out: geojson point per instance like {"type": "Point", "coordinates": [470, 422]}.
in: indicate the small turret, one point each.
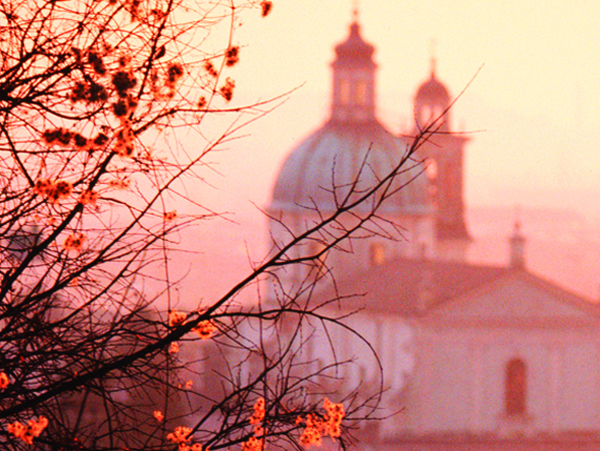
{"type": "Point", "coordinates": [517, 248]}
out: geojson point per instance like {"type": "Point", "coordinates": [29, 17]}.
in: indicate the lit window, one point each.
{"type": "Point", "coordinates": [425, 115]}
{"type": "Point", "coordinates": [516, 387]}
{"type": "Point", "coordinates": [361, 92]}
{"type": "Point", "coordinates": [377, 251]}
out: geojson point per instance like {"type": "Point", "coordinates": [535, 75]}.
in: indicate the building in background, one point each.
{"type": "Point", "coordinates": [474, 357]}
{"type": "Point", "coordinates": [444, 153]}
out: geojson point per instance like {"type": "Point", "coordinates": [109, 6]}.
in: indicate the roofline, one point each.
{"type": "Point", "coordinates": [562, 294]}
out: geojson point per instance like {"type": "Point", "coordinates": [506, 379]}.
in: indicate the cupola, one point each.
{"type": "Point", "coordinates": [353, 79]}
{"type": "Point", "coordinates": [432, 103]}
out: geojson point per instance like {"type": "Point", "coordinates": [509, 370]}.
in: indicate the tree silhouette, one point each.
{"type": "Point", "coordinates": [91, 92]}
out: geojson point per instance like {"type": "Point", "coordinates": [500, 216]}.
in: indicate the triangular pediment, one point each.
{"type": "Point", "coordinates": [518, 297]}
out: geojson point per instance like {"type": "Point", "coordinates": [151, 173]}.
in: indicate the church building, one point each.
{"type": "Point", "coordinates": [474, 357]}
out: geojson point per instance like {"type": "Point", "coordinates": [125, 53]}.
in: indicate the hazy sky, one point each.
{"type": "Point", "coordinates": [533, 106]}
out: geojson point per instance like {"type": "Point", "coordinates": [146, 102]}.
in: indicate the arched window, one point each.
{"type": "Point", "coordinates": [431, 169]}
{"type": "Point", "coordinates": [432, 177]}
{"type": "Point", "coordinates": [344, 87]}
{"type": "Point", "coordinates": [425, 115]}
{"type": "Point", "coordinates": [516, 387]}
{"type": "Point", "coordinates": [361, 92]}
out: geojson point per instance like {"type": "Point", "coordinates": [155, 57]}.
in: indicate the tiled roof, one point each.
{"type": "Point", "coordinates": [410, 286]}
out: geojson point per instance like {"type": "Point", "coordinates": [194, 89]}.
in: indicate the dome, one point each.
{"type": "Point", "coordinates": [432, 104]}
{"type": "Point", "coordinates": [333, 157]}
{"type": "Point", "coordinates": [432, 91]}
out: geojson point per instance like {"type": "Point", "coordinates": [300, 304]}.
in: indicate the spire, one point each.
{"type": "Point", "coordinates": [433, 59]}
{"type": "Point", "coordinates": [355, 11]}
{"type": "Point", "coordinates": [517, 247]}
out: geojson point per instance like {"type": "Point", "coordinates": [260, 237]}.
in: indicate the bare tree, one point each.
{"type": "Point", "coordinates": [89, 93]}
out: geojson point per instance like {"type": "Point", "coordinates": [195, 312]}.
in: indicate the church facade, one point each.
{"type": "Point", "coordinates": [474, 357]}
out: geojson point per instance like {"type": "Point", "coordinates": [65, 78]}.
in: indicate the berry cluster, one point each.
{"type": "Point", "coordinates": [54, 191]}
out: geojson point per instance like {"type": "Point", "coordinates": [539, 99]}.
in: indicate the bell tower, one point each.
{"type": "Point", "coordinates": [444, 152]}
